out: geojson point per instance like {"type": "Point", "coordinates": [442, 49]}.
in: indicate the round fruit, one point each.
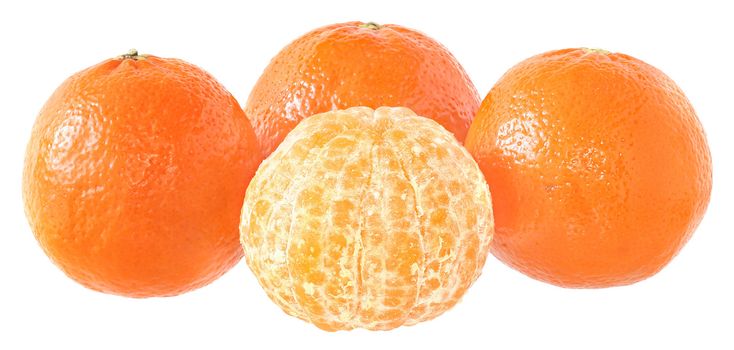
{"type": "Point", "coordinates": [358, 64]}
{"type": "Point", "coordinates": [598, 165]}
{"type": "Point", "coordinates": [366, 218]}
{"type": "Point", "coordinates": [135, 175]}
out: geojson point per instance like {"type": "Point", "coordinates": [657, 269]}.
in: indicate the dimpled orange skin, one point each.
{"type": "Point", "coordinates": [598, 165]}
{"type": "Point", "coordinates": [135, 174]}
{"type": "Point", "coordinates": [357, 64]}
{"type": "Point", "coordinates": [370, 219]}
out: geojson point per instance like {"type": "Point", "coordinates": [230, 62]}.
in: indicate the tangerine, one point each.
{"type": "Point", "coordinates": [367, 218]}
{"type": "Point", "coordinates": [598, 165]}
{"type": "Point", "coordinates": [360, 64]}
{"type": "Point", "coordinates": [135, 174]}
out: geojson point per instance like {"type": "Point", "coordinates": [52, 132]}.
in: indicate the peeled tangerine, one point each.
{"type": "Point", "coordinates": [367, 218]}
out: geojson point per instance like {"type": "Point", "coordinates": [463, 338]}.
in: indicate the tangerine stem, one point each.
{"type": "Point", "coordinates": [370, 25]}
{"type": "Point", "coordinates": [132, 54]}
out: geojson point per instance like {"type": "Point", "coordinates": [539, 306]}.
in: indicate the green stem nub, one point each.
{"type": "Point", "coordinates": [370, 25]}
{"type": "Point", "coordinates": [133, 55]}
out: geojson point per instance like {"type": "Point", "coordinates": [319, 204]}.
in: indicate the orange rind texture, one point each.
{"type": "Point", "coordinates": [598, 165]}
{"type": "Point", "coordinates": [360, 64]}
{"type": "Point", "coordinates": [135, 174]}
{"type": "Point", "coordinates": [367, 218]}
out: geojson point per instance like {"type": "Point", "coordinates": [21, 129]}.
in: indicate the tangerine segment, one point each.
{"type": "Point", "coordinates": [367, 218]}
{"type": "Point", "coordinates": [598, 164]}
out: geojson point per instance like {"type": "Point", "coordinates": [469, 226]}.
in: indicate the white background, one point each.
{"type": "Point", "coordinates": [689, 304]}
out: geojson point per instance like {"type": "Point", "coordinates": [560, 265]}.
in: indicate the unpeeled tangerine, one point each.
{"type": "Point", "coordinates": [367, 218]}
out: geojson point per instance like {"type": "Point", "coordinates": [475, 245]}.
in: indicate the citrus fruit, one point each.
{"type": "Point", "coordinates": [367, 218]}
{"type": "Point", "coordinates": [135, 174]}
{"type": "Point", "coordinates": [360, 64]}
{"type": "Point", "coordinates": [598, 165]}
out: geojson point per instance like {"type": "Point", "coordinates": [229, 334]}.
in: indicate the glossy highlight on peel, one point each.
{"type": "Point", "coordinates": [367, 218]}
